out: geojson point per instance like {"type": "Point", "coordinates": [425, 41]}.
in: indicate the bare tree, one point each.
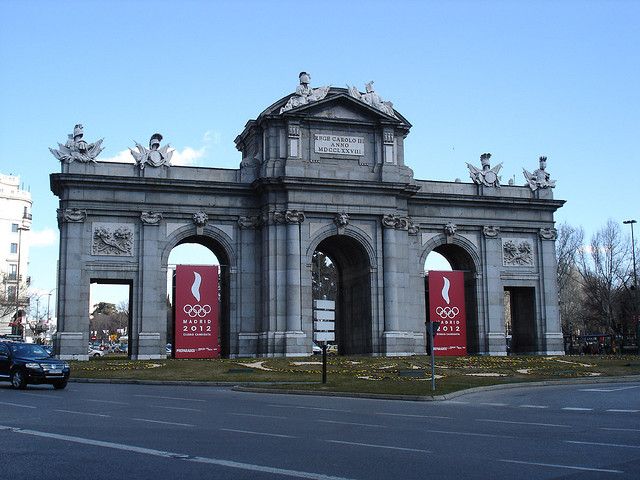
{"type": "Point", "coordinates": [604, 266]}
{"type": "Point", "coordinates": [569, 246]}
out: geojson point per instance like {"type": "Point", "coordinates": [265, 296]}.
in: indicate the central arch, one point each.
{"type": "Point", "coordinates": [219, 247]}
{"type": "Point", "coordinates": [461, 256]}
{"type": "Point", "coordinates": [352, 293]}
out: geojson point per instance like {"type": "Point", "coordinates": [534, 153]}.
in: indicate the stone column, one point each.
{"type": "Point", "coordinates": [295, 344]}
{"type": "Point", "coordinates": [150, 292]}
{"type": "Point", "coordinates": [72, 337]}
{"type": "Point", "coordinates": [493, 292]}
{"type": "Point", "coordinates": [390, 265]}
{"type": "Point", "coordinates": [553, 339]}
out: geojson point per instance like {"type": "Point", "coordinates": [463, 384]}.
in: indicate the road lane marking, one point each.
{"type": "Point", "coordinates": [490, 404]}
{"type": "Point", "coordinates": [412, 416]}
{"type": "Point", "coordinates": [523, 423]}
{"type": "Point", "coordinates": [175, 455]}
{"type": "Point", "coordinates": [577, 409]}
{"type": "Point", "coordinates": [622, 410]}
{"type": "Point", "coordinates": [352, 423]}
{"type": "Point", "coordinates": [84, 413]}
{"type": "Point", "coordinates": [112, 402]}
{"type": "Point", "coordinates": [163, 423]}
{"type": "Point", "coordinates": [17, 405]}
{"type": "Point", "coordinates": [553, 465]}
{"type": "Point", "coordinates": [259, 416]}
{"type": "Point", "coordinates": [249, 432]}
{"type": "Point", "coordinates": [600, 444]}
{"type": "Point", "coordinates": [533, 406]}
{"type": "Point", "coordinates": [309, 408]}
{"type": "Point", "coordinates": [172, 398]}
{"type": "Point", "coordinates": [470, 434]}
{"type": "Point", "coordinates": [607, 390]}
{"type": "Point", "coordinates": [621, 429]}
{"type": "Point", "coordinates": [175, 408]}
{"type": "Point", "coordinates": [389, 447]}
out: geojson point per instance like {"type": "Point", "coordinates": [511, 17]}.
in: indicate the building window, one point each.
{"type": "Point", "coordinates": [11, 293]}
{"type": "Point", "coordinates": [14, 227]}
{"type": "Point", "coordinates": [14, 248]}
{"type": "Point", "coordinates": [13, 271]}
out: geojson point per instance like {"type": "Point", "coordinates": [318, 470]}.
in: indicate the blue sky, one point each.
{"type": "Point", "coordinates": [517, 79]}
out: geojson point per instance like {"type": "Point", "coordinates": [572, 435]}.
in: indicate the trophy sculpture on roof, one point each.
{"type": "Point", "coordinates": [77, 149]}
{"type": "Point", "coordinates": [154, 155]}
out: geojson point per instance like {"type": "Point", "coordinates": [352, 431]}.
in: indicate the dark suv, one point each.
{"type": "Point", "coordinates": [23, 363]}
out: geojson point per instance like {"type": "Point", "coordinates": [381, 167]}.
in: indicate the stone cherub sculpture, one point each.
{"type": "Point", "coordinates": [539, 178]}
{"type": "Point", "coordinates": [304, 93]}
{"type": "Point", "coordinates": [77, 149]}
{"type": "Point", "coordinates": [371, 98]}
{"type": "Point", "coordinates": [154, 155]}
{"type": "Point", "coordinates": [487, 176]}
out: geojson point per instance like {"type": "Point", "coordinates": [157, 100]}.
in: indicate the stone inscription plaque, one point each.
{"type": "Point", "coordinates": [338, 144]}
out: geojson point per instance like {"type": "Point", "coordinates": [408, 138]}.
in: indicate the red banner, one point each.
{"type": "Point", "coordinates": [446, 305]}
{"type": "Point", "coordinates": [196, 317]}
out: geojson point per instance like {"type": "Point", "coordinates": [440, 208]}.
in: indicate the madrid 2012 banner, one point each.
{"type": "Point", "coordinates": [196, 313]}
{"type": "Point", "coordinates": [446, 305]}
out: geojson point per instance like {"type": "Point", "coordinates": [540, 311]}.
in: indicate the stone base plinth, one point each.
{"type": "Point", "coordinates": [397, 344]}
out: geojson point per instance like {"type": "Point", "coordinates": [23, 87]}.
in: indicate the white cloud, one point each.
{"type": "Point", "coordinates": [121, 157]}
{"type": "Point", "coordinates": [43, 238]}
{"type": "Point", "coordinates": [188, 156]}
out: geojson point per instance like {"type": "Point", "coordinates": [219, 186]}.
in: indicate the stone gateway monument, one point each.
{"type": "Point", "coordinates": [323, 170]}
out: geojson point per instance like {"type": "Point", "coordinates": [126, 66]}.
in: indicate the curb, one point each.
{"type": "Point", "coordinates": [250, 387]}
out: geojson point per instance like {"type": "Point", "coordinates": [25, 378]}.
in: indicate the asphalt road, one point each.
{"type": "Point", "coordinates": [104, 431]}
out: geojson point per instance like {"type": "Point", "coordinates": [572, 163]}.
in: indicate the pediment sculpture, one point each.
{"type": "Point", "coordinates": [305, 94]}
{"type": "Point", "coordinates": [77, 149]}
{"type": "Point", "coordinates": [155, 155]}
{"type": "Point", "coordinates": [371, 98]}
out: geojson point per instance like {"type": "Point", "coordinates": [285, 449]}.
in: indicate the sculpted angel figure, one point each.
{"type": "Point", "coordinates": [154, 155]}
{"type": "Point", "coordinates": [539, 178]}
{"type": "Point", "coordinates": [487, 176]}
{"type": "Point", "coordinates": [77, 149]}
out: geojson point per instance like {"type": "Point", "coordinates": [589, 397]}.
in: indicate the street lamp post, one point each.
{"type": "Point", "coordinates": [48, 304]}
{"type": "Point", "coordinates": [635, 283]}
{"type": "Point", "coordinates": [21, 228]}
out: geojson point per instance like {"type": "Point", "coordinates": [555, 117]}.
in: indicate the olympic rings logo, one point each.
{"type": "Point", "coordinates": [447, 312]}
{"type": "Point", "coordinates": [197, 310]}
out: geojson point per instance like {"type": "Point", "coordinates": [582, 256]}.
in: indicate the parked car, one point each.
{"type": "Point", "coordinates": [317, 349]}
{"type": "Point", "coordinates": [24, 363]}
{"type": "Point", "coordinates": [94, 352]}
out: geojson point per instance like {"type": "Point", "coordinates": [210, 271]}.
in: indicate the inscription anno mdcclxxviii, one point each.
{"type": "Point", "coordinates": [339, 144]}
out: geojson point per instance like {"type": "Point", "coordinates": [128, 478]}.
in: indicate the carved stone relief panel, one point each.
{"type": "Point", "coordinates": [517, 252]}
{"type": "Point", "coordinates": [112, 239]}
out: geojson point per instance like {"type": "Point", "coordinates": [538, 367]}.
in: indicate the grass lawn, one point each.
{"type": "Point", "coordinates": [382, 375]}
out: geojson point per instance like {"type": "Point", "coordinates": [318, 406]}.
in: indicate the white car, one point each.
{"type": "Point", "coordinates": [94, 352]}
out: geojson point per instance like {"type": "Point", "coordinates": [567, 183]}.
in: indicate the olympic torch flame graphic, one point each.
{"type": "Point", "coordinates": [195, 288]}
{"type": "Point", "coordinates": [445, 290]}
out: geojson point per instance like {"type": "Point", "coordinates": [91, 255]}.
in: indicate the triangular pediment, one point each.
{"type": "Point", "coordinates": [337, 105]}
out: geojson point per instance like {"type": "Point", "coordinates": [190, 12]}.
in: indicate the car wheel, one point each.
{"type": "Point", "coordinates": [96, 355]}
{"type": "Point", "coordinates": [18, 379]}
{"type": "Point", "coordinates": [60, 385]}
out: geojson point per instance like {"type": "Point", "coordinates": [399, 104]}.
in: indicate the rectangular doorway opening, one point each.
{"type": "Point", "coordinates": [520, 319]}
{"type": "Point", "coordinates": [110, 318]}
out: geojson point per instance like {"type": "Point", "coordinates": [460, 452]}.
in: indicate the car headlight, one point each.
{"type": "Point", "coordinates": [34, 366]}
{"type": "Point", "coordinates": [65, 366]}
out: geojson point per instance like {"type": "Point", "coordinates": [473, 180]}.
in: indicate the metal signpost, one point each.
{"type": "Point", "coordinates": [433, 328]}
{"type": "Point", "coordinates": [324, 315]}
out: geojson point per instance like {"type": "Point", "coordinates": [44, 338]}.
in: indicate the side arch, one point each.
{"type": "Point", "coordinates": [441, 240]}
{"type": "Point", "coordinates": [350, 231]}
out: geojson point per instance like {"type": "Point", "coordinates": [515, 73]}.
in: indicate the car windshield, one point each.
{"type": "Point", "coordinates": [28, 350]}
